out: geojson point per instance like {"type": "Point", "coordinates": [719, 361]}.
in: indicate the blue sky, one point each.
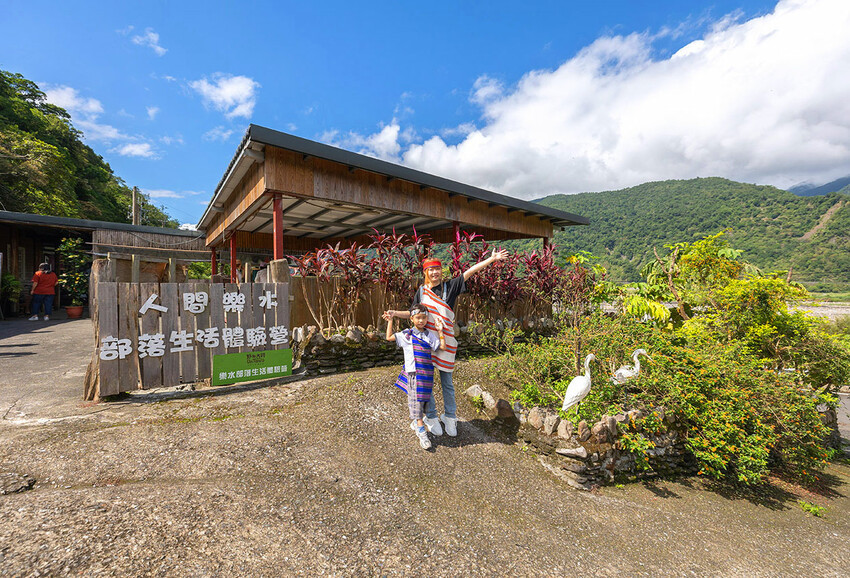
{"type": "Point", "coordinates": [526, 100]}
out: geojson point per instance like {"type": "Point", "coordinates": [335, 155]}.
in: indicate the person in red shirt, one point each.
{"type": "Point", "coordinates": [43, 291]}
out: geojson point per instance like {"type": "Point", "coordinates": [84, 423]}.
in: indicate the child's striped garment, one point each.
{"type": "Point", "coordinates": [424, 382]}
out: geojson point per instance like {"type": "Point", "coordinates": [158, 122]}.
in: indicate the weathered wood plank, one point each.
{"type": "Point", "coordinates": [128, 328]}
{"type": "Point", "coordinates": [170, 325]}
{"type": "Point", "coordinates": [246, 317]}
{"type": "Point", "coordinates": [282, 311]}
{"type": "Point", "coordinates": [257, 291]}
{"type": "Point", "coordinates": [151, 365]}
{"type": "Point", "coordinates": [188, 358]}
{"type": "Point", "coordinates": [107, 320]}
{"type": "Point", "coordinates": [202, 322]}
{"type": "Point", "coordinates": [231, 317]}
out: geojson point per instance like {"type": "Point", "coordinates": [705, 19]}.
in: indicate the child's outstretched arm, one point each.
{"type": "Point", "coordinates": [389, 318]}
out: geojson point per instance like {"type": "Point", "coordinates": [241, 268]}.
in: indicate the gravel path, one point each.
{"type": "Point", "coordinates": [323, 477]}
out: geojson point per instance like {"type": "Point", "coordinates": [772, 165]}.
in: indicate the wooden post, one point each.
{"type": "Point", "coordinates": [278, 228]}
{"type": "Point", "coordinates": [172, 270]}
{"type": "Point", "coordinates": [213, 261]}
{"type": "Point", "coordinates": [233, 258]}
{"type": "Point", "coordinates": [456, 229]}
{"type": "Point", "coordinates": [545, 242]}
{"type": "Point", "coordinates": [135, 268]}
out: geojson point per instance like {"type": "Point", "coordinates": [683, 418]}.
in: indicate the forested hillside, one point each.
{"type": "Point", "coordinates": [45, 168]}
{"type": "Point", "coordinates": [776, 229]}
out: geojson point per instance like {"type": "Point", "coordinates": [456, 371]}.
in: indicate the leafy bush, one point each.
{"type": "Point", "coordinates": [740, 419]}
{"type": "Point", "coordinates": [74, 261]}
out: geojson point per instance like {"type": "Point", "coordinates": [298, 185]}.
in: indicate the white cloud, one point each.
{"type": "Point", "coordinates": [765, 100]}
{"type": "Point", "coordinates": [170, 140]}
{"type": "Point", "coordinates": [218, 133]}
{"type": "Point", "coordinates": [84, 113]}
{"type": "Point", "coordinates": [162, 194]}
{"type": "Point", "coordinates": [70, 99]}
{"type": "Point", "coordinates": [384, 144]}
{"type": "Point", "coordinates": [232, 95]}
{"type": "Point", "coordinates": [141, 149]}
{"type": "Point", "coordinates": [152, 112]}
{"type": "Point", "coordinates": [151, 40]}
{"type": "Point", "coordinates": [187, 227]}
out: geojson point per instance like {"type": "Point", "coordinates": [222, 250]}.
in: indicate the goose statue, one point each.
{"type": "Point", "coordinates": [628, 372]}
{"type": "Point", "coordinates": [579, 387]}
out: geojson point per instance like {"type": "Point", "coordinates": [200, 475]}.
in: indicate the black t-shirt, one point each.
{"type": "Point", "coordinates": [447, 291]}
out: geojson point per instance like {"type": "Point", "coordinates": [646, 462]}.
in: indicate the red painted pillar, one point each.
{"type": "Point", "coordinates": [278, 228]}
{"type": "Point", "coordinates": [233, 258]}
{"type": "Point", "coordinates": [213, 261]}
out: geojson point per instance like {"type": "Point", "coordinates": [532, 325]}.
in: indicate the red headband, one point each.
{"type": "Point", "coordinates": [428, 263]}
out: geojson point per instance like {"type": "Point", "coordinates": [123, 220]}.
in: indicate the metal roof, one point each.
{"type": "Point", "coordinates": [344, 224]}
{"type": "Point", "coordinates": [88, 225]}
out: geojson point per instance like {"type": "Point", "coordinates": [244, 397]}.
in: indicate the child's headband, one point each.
{"type": "Point", "coordinates": [428, 263]}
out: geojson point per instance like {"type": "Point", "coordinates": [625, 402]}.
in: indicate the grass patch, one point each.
{"type": "Point", "coordinates": [816, 511]}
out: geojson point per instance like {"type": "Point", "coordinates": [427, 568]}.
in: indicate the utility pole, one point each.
{"type": "Point", "coordinates": [135, 206]}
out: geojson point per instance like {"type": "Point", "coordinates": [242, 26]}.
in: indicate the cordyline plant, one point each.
{"type": "Point", "coordinates": [342, 275]}
{"type": "Point", "coordinates": [396, 267]}
{"type": "Point", "coordinates": [494, 290]}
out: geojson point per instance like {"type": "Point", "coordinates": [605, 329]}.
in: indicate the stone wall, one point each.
{"type": "Point", "coordinates": [586, 455]}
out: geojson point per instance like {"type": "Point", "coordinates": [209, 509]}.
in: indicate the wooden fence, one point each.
{"type": "Point", "coordinates": [163, 334]}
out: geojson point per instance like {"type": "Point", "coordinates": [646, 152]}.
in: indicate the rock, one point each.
{"type": "Point", "coordinates": [635, 414]}
{"type": "Point", "coordinates": [337, 338]}
{"type": "Point", "coordinates": [504, 409]}
{"type": "Point", "coordinates": [600, 432]}
{"type": "Point", "coordinates": [659, 411]}
{"type": "Point", "coordinates": [583, 431]}
{"type": "Point", "coordinates": [297, 335]}
{"type": "Point", "coordinates": [536, 417]}
{"type": "Point", "coordinates": [574, 466]}
{"type": "Point", "coordinates": [550, 423]}
{"type": "Point", "coordinates": [316, 339]}
{"type": "Point", "coordinates": [611, 424]}
{"type": "Point", "coordinates": [489, 400]}
{"type": "Point", "coordinates": [474, 391]}
{"type": "Point", "coordinates": [578, 452]}
{"type": "Point", "coordinates": [11, 483]}
{"type": "Point", "coordinates": [354, 335]}
{"type": "Point", "coordinates": [621, 418]}
{"type": "Point", "coordinates": [565, 429]}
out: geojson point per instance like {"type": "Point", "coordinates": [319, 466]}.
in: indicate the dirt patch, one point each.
{"type": "Point", "coordinates": [324, 476]}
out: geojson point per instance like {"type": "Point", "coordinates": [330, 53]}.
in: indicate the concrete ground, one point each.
{"type": "Point", "coordinates": [322, 477]}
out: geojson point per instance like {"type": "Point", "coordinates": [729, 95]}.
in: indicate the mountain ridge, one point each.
{"type": "Point", "coordinates": [776, 229]}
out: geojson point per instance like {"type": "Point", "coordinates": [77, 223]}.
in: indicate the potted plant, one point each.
{"type": "Point", "coordinates": [73, 278]}
{"type": "Point", "coordinates": [10, 292]}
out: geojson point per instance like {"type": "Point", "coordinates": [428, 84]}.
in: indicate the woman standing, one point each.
{"type": "Point", "coordinates": [43, 291]}
{"type": "Point", "coordinates": [439, 298]}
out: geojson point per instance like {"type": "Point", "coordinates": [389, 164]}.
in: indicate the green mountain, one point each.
{"type": "Point", "coordinates": [777, 230]}
{"type": "Point", "coordinates": [46, 169]}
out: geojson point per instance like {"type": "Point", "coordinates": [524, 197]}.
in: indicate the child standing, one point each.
{"type": "Point", "coordinates": [417, 376]}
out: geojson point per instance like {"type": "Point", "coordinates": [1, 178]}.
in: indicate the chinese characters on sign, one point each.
{"type": "Point", "coordinates": [158, 344]}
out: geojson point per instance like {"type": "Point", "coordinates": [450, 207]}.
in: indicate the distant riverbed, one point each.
{"type": "Point", "coordinates": [832, 310]}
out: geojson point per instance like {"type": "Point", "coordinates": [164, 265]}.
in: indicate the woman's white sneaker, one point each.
{"type": "Point", "coordinates": [432, 424]}
{"type": "Point", "coordinates": [450, 423]}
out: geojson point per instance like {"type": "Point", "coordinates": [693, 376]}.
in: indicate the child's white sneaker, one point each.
{"type": "Point", "coordinates": [422, 434]}
{"type": "Point", "coordinates": [432, 424]}
{"type": "Point", "coordinates": [47, 317]}
{"type": "Point", "coordinates": [34, 318]}
{"type": "Point", "coordinates": [450, 423]}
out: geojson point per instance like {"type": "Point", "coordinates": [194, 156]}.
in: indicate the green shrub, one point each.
{"type": "Point", "coordinates": [740, 419]}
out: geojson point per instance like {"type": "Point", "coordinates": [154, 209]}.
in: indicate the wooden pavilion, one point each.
{"type": "Point", "coordinates": [289, 195]}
